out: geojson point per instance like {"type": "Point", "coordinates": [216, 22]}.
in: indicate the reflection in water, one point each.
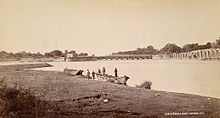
{"type": "Point", "coordinates": [184, 76]}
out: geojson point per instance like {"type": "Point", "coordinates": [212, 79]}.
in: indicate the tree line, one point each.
{"type": "Point", "coordinates": [23, 54]}
{"type": "Point", "coordinates": [167, 49]}
{"type": "Point", "coordinates": [171, 48]}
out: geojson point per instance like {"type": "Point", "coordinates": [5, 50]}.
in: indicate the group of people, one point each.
{"type": "Point", "coordinates": [99, 72]}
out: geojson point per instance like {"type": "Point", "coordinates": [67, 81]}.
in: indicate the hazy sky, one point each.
{"type": "Point", "coordinates": [105, 26]}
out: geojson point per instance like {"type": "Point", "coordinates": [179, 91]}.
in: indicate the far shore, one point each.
{"type": "Point", "coordinates": [76, 96]}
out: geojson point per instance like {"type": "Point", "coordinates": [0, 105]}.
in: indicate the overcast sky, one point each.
{"type": "Point", "coordinates": [104, 26]}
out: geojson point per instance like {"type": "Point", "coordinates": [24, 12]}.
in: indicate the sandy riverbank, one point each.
{"type": "Point", "coordinates": [63, 95]}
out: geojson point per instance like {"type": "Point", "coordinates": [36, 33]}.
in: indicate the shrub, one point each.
{"type": "Point", "coordinates": [146, 85]}
{"type": "Point", "coordinates": [14, 100]}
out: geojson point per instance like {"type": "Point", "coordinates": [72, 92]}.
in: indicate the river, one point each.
{"type": "Point", "coordinates": [182, 76]}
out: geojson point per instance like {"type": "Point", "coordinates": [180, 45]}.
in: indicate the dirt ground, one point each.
{"type": "Point", "coordinates": [76, 96]}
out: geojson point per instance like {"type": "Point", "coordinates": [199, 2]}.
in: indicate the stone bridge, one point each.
{"type": "Point", "coordinates": [199, 54]}
{"type": "Point", "coordinates": [124, 57]}
{"type": "Point", "coordinates": [111, 57]}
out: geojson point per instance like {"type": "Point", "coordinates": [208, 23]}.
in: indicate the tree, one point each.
{"type": "Point", "coordinates": [217, 42]}
{"type": "Point", "coordinates": [208, 45]}
{"type": "Point", "coordinates": [47, 55]}
{"type": "Point", "coordinates": [190, 47]}
{"type": "Point", "coordinates": [150, 47]}
{"type": "Point", "coordinates": [37, 55]}
{"type": "Point", "coordinates": [72, 52]}
{"type": "Point", "coordinates": [56, 53]}
{"type": "Point", "coordinates": [4, 54]}
{"type": "Point", "coordinates": [83, 54]}
{"type": "Point", "coordinates": [169, 49]}
{"type": "Point", "coordinates": [149, 50]}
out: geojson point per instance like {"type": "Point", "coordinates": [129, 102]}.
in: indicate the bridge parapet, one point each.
{"type": "Point", "coordinates": [111, 57]}
{"type": "Point", "coordinates": [124, 57]}
{"type": "Point", "coordinates": [212, 53]}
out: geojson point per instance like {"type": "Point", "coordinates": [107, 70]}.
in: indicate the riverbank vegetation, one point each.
{"type": "Point", "coordinates": [171, 48]}
{"type": "Point", "coordinates": [55, 54]}
{"type": "Point", "coordinates": [28, 56]}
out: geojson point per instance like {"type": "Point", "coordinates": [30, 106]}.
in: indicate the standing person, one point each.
{"type": "Point", "coordinates": [103, 70]}
{"type": "Point", "coordinates": [99, 71]}
{"type": "Point", "coordinates": [116, 72]}
{"type": "Point", "coordinates": [93, 75]}
{"type": "Point", "coordinates": [88, 74]}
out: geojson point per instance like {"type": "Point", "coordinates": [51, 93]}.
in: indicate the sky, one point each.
{"type": "Point", "coordinates": [101, 27]}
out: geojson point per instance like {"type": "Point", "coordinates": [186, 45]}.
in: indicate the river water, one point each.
{"type": "Point", "coordinates": [182, 76]}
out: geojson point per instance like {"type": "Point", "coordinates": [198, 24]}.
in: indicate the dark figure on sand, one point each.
{"type": "Point", "coordinates": [103, 70]}
{"type": "Point", "coordinates": [99, 71]}
{"type": "Point", "coordinates": [116, 72]}
{"type": "Point", "coordinates": [88, 74]}
{"type": "Point", "coordinates": [93, 75]}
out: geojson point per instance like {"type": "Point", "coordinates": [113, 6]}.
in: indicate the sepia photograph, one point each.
{"type": "Point", "coordinates": [109, 58]}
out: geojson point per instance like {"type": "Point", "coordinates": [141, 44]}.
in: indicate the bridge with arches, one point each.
{"type": "Point", "coordinates": [110, 57]}
{"type": "Point", "coordinates": [212, 53]}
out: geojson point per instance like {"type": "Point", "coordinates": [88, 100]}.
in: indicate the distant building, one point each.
{"type": "Point", "coordinates": [166, 56]}
{"type": "Point", "coordinates": [161, 56]}
{"type": "Point", "coordinates": [157, 57]}
{"type": "Point", "coordinates": [70, 54]}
